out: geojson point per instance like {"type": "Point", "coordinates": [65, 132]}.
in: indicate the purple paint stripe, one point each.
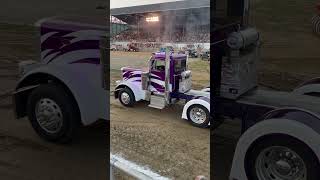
{"type": "Point", "coordinates": [126, 73]}
{"type": "Point", "coordinates": [160, 74]}
{"type": "Point", "coordinates": [87, 61]}
{"type": "Point", "coordinates": [131, 76]}
{"type": "Point", "coordinates": [158, 87]}
{"type": "Point", "coordinates": [81, 45]}
{"type": "Point", "coordinates": [60, 33]}
{"type": "Point", "coordinates": [130, 73]}
{"type": "Point", "coordinates": [155, 77]}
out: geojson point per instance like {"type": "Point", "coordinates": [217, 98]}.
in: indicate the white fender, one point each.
{"type": "Point", "coordinates": [139, 94]}
{"type": "Point", "coordinates": [309, 88]}
{"type": "Point", "coordinates": [284, 126]}
{"type": "Point", "coordinates": [206, 90]}
{"type": "Point", "coordinates": [192, 102]}
{"type": "Point", "coordinates": [84, 81]}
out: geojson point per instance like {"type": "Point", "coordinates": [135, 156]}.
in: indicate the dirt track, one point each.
{"type": "Point", "coordinates": [159, 139]}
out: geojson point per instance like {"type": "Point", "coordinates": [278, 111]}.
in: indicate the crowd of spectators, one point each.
{"type": "Point", "coordinates": [130, 35]}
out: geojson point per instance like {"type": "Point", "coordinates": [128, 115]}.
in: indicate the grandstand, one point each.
{"type": "Point", "coordinates": [171, 22]}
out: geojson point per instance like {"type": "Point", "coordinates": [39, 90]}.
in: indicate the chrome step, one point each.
{"type": "Point", "coordinates": [157, 101]}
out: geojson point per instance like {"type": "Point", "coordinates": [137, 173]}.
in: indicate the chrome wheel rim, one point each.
{"type": "Point", "coordinates": [198, 115]}
{"type": "Point", "coordinates": [280, 163]}
{"type": "Point", "coordinates": [49, 115]}
{"type": "Point", "coordinates": [125, 98]}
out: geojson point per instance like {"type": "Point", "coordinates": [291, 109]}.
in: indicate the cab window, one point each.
{"type": "Point", "coordinates": [179, 65]}
{"type": "Point", "coordinates": [159, 65]}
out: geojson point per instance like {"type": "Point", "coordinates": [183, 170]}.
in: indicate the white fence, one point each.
{"type": "Point", "coordinates": [131, 169]}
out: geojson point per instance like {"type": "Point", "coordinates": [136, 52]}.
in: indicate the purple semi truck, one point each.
{"type": "Point", "coordinates": [166, 81]}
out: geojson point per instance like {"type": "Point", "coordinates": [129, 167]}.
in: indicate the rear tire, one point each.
{"type": "Point", "coordinates": [126, 97]}
{"type": "Point", "coordinates": [287, 153]}
{"type": "Point", "coordinates": [198, 115]}
{"type": "Point", "coordinates": [52, 113]}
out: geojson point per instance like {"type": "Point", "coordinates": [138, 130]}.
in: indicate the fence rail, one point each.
{"type": "Point", "coordinates": [131, 169]}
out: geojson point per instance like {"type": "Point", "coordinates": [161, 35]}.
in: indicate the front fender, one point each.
{"type": "Point", "coordinates": [136, 88]}
{"type": "Point", "coordinates": [84, 82]}
{"type": "Point", "coordinates": [299, 130]}
{"type": "Point", "coordinates": [202, 102]}
{"type": "Point", "coordinates": [309, 87]}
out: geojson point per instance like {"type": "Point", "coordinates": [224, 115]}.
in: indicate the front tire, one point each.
{"type": "Point", "coordinates": [281, 157]}
{"type": "Point", "coordinates": [126, 97]}
{"type": "Point", "coordinates": [52, 113]}
{"type": "Point", "coordinates": [198, 115]}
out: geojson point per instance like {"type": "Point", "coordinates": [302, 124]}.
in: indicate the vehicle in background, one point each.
{"type": "Point", "coordinates": [165, 48]}
{"type": "Point", "coordinates": [192, 53]}
{"type": "Point", "coordinates": [132, 47]}
{"type": "Point", "coordinates": [166, 81]}
{"type": "Point", "coordinates": [67, 87]}
{"type": "Point", "coordinates": [205, 55]}
{"type": "Point", "coordinates": [117, 47]}
{"type": "Point", "coordinates": [114, 47]}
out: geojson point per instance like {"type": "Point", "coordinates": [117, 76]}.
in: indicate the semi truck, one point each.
{"type": "Point", "coordinates": [56, 91]}
{"type": "Point", "coordinates": [280, 131]}
{"type": "Point", "coordinates": [164, 82]}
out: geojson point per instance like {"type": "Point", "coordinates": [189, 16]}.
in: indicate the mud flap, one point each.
{"type": "Point", "coordinates": [116, 92]}
{"type": "Point", "coordinates": [19, 99]}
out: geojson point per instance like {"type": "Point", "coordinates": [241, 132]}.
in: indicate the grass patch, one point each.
{"type": "Point", "coordinates": [200, 73]}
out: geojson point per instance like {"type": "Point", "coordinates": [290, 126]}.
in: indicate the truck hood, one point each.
{"type": "Point", "coordinates": [132, 74]}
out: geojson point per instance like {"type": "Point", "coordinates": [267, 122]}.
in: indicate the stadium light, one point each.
{"type": "Point", "coordinates": [152, 19]}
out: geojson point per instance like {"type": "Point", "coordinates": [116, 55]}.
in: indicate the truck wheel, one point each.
{"type": "Point", "coordinates": [282, 157]}
{"type": "Point", "coordinates": [126, 97]}
{"type": "Point", "coordinates": [198, 115]}
{"type": "Point", "coordinates": [52, 113]}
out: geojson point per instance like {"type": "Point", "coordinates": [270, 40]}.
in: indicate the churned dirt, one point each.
{"type": "Point", "coordinates": [158, 139]}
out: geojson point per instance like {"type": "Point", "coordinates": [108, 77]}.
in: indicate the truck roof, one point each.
{"type": "Point", "coordinates": [173, 56]}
